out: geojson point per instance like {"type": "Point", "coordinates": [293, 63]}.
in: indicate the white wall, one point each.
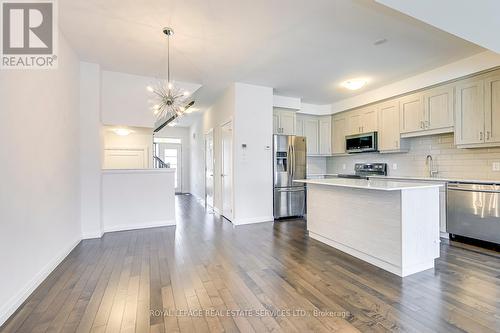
{"type": "Point", "coordinates": [91, 149]}
{"type": "Point", "coordinates": [183, 134]}
{"type": "Point", "coordinates": [463, 67]}
{"type": "Point", "coordinates": [219, 113]}
{"type": "Point", "coordinates": [39, 185]}
{"type": "Point", "coordinates": [125, 100]}
{"type": "Point", "coordinates": [250, 108]}
{"type": "Point", "coordinates": [136, 199]}
{"type": "Point", "coordinates": [475, 21]}
{"type": "Point", "coordinates": [253, 177]}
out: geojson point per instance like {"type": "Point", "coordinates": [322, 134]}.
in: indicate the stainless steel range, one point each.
{"type": "Point", "coordinates": [364, 170]}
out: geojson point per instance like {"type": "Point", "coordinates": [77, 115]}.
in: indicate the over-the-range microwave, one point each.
{"type": "Point", "coordinates": [361, 143]}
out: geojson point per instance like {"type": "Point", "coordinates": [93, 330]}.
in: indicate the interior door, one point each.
{"type": "Point", "coordinates": [227, 170]}
{"type": "Point", "coordinates": [492, 109]}
{"type": "Point", "coordinates": [172, 154]}
{"type": "Point", "coordinates": [469, 112]}
{"type": "Point", "coordinates": [124, 158]}
{"type": "Point", "coordinates": [209, 169]}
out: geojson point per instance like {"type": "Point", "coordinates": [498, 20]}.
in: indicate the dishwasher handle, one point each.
{"type": "Point", "coordinates": [486, 188]}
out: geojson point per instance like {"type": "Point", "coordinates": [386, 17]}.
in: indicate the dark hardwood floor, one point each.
{"type": "Point", "coordinates": [204, 267]}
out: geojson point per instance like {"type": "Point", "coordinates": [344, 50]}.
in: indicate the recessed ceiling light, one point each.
{"type": "Point", "coordinates": [354, 84]}
{"type": "Point", "coordinates": [122, 131]}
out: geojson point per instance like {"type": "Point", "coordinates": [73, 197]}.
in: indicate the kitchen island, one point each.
{"type": "Point", "coordinates": [391, 224]}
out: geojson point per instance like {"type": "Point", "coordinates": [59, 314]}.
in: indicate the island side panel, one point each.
{"type": "Point", "coordinates": [420, 229]}
{"type": "Point", "coordinates": [362, 222]}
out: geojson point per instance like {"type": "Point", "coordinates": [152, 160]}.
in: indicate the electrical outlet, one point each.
{"type": "Point", "coordinates": [496, 166]}
{"type": "Point", "coordinates": [343, 166]}
{"type": "Point", "coordinates": [394, 166]}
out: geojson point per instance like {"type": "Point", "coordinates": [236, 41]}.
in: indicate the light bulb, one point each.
{"type": "Point", "coordinates": [170, 85]}
{"type": "Point", "coordinates": [186, 93]}
{"type": "Point", "coordinates": [150, 89]}
{"type": "Point", "coordinates": [354, 84]}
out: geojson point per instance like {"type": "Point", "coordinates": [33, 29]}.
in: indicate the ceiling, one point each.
{"type": "Point", "coordinates": [301, 48]}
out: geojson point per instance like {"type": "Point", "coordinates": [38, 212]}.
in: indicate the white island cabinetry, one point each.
{"type": "Point", "coordinates": [392, 225]}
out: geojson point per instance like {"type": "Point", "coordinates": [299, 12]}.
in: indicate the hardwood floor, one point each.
{"type": "Point", "coordinates": [204, 267]}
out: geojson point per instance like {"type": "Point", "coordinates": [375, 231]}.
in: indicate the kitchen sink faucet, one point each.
{"type": "Point", "coordinates": [430, 163]}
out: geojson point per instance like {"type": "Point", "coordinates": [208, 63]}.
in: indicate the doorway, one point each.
{"type": "Point", "coordinates": [209, 169]}
{"type": "Point", "coordinates": [227, 170]}
{"type": "Point", "coordinates": [172, 154]}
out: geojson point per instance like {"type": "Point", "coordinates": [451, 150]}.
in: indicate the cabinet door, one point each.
{"type": "Point", "coordinates": [492, 109]}
{"type": "Point", "coordinates": [311, 130]}
{"type": "Point", "coordinates": [276, 123]}
{"type": "Point", "coordinates": [411, 114]}
{"type": "Point", "coordinates": [339, 133]}
{"type": "Point", "coordinates": [469, 104]}
{"type": "Point", "coordinates": [287, 122]}
{"type": "Point", "coordinates": [299, 126]}
{"type": "Point", "coordinates": [369, 120]}
{"type": "Point", "coordinates": [389, 133]}
{"type": "Point", "coordinates": [438, 108]}
{"type": "Point", "coordinates": [325, 135]}
{"type": "Point", "coordinates": [354, 122]}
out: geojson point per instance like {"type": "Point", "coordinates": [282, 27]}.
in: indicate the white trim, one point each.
{"type": "Point", "coordinates": [143, 225]}
{"type": "Point", "coordinates": [261, 219]}
{"type": "Point", "coordinates": [91, 235]}
{"type": "Point", "coordinates": [444, 235]}
{"type": "Point", "coordinates": [17, 300]}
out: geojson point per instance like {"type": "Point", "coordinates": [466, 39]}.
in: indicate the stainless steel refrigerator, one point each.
{"type": "Point", "coordinates": [289, 159]}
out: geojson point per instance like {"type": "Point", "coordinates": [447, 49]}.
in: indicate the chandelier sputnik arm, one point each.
{"type": "Point", "coordinates": [168, 101]}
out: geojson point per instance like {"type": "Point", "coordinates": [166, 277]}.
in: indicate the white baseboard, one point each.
{"type": "Point", "coordinates": [144, 225]}
{"type": "Point", "coordinates": [444, 235]}
{"type": "Point", "coordinates": [17, 300]}
{"type": "Point", "coordinates": [252, 220]}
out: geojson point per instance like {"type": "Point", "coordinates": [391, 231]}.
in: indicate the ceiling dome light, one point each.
{"type": "Point", "coordinates": [122, 131]}
{"type": "Point", "coordinates": [354, 84]}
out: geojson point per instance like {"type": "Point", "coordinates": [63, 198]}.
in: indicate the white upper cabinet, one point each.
{"type": "Point", "coordinates": [369, 119]}
{"type": "Point", "coordinates": [469, 108]}
{"type": "Point", "coordinates": [311, 132]}
{"type": "Point", "coordinates": [492, 109]}
{"type": "Point", "coordinates": [299, 125]}
{"type": "Point", "coordinates": [284, 121]}
{"type": "Point", "coordinates": [325, 135]}
{"type": "Point", "coordinates": [411, 113]}
{"type": "Point", "coordinates": [438, 108]}
{"type": "Point", "coordinates": [389, 133]}
{"type": "Point", "coordinates": [339, 129]}
{"type": "Point", "coordinates": [362, 121]}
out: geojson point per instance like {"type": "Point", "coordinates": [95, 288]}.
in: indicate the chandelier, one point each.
{"type": "Point", "coordinates": [168, 101]}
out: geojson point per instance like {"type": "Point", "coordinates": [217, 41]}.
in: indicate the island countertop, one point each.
{"type": "Point", "coordinates": [369, 184]}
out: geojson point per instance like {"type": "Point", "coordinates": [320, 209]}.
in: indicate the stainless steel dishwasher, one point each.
{"type": "Point", "coordinates": [474, 211]}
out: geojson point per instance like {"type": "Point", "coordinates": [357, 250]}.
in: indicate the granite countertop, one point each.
{"type": "Point", "coordinates": [380, 185]}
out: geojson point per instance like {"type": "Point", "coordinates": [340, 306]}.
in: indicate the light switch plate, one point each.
{"type": "Point", "coordinates": [394, 166]}
{"type": "Point", "coordinates": [496, 166]}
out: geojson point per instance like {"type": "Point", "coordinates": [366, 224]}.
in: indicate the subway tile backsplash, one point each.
{"type": "Point", "coordinates": [449, 160]}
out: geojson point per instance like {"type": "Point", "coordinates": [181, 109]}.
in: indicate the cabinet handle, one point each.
{"type": "Point", "coordinates": [397, 143]}
{"type": "Point", "coordinates": [481, 136]}
{"type": "Point", "coordinates": [487, 135]}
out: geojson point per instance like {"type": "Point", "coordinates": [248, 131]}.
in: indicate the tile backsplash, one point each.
{"type": "Point", "coordinates": [316, 165]}
{"type": "Point", "coordinates": [449, 160]}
